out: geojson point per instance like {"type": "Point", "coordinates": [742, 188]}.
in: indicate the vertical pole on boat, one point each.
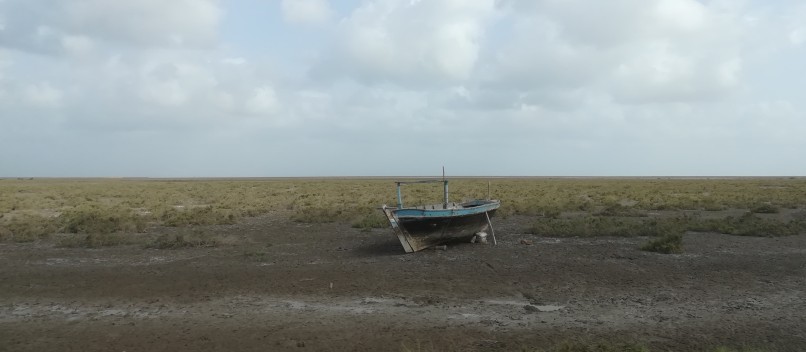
{"type": "Point", "coordinates": [492, 232]}
{"type": "Point", "coordinates": [488, 189]}
{"type": "Point", "coordinates": [399, 196]}
{"type": "Point", "coordinates": [444, 189]}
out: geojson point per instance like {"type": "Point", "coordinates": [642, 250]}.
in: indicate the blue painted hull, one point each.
{"type": "Point", "coordinates": [418, 228]}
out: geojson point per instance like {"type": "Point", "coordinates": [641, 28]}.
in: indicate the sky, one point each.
{"type": "Point", "coordinates": [264, 88]}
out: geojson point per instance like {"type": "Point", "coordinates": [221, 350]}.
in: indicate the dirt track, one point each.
{"type": "Point", "coordinates": [288, 286]}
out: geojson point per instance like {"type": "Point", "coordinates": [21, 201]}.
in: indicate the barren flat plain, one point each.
{"type": "Point", "coordinates": [273, 265]}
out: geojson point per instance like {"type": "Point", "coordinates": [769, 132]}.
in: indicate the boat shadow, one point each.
{"type": "Point", "coordinates": [391, 247]}
{"type": "Point", "coordinates": [379, 248]}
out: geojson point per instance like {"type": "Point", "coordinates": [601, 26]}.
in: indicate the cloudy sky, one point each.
{"type": "Point", "coordinates": [385, 87]}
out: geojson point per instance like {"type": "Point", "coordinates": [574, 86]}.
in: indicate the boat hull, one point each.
{"type": "Point", "coordinates": [421, 228]}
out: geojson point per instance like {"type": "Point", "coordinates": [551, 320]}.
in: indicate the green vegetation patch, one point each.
{"type": "Point", "coordinates": [765, 209]}
{"type": "Point", "coordinates": [600, 347]}
{"type": "Point", "coordinates": [623, 211]}
{"type": "Point", "coordinates": [667, 244]}
{"type": "Point", "coordinates": [312, 215]}
{"type": "Point", "coordinates": [739, 349]}
{"type": "Point", "coordinates": [749, 225]}
{"type": "Point", "coordinates": [98, 220]}
{"type": "Point", "coordinates": [27, 228]}
{"type": "Point", "coordinates": [176, 241]}
{"type": "Point", "coordinates": [372, 220]}
{"type": "Point", "coordinates": [202, 215]}
{"type": "Point", "coordinates": [591, 226]}
{"type": "Point", "coordinates": [607, 346]}
{"type": "Point", "coordinates": [29, 209]}
{"type": "Point", "coordinates": [256, 255]}
{"type": "Point", "coordinates": [92, 240]}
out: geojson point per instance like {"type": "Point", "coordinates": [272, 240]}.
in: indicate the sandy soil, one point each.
{"type": "Point", "coordinates": [288, 286]}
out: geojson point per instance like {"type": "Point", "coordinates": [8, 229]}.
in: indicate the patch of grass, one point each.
{"type": "Point", "coordinates": [27, 228]}
{"type": "Point", "coordinates": [313, 215]}
{"type": "Point", "coordinates": [620, 210]}
{"type": "Point", "coordinates": [603, 226]}
{"type": "Point", "coordinates": [204, 215]}
{"type": "Point", "coordinates": [177, 241]}
{"type": "Point", "coordinates": [374, 220]}
{"type": "Point", "coordinates": [591, 226]}
{"type": "Point", "coordinates": [96, 220]}
{"type": "Point", "coordinates": [598, 347]}
{"type": "Point", "coordinates": [765, 209]}
{"type": "Point", "coordinates": [208, 202]}
{"type": "Point", "coordinates": [750, 225]}
{"type": "Point", "coordinates": [92, 240]}
{"type": "Point", "coordinates": [552, 213]}
{"type": "Point", "coordinates": [668, 244]}
{"type": "Point", "coordinates": [418, 346]}
{"type": "Point", "coordinates": [740, 349]}
{"type": "Point", "coordinates": [256, 256]}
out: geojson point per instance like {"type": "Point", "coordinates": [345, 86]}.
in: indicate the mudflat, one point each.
{"type": "Point", "coordinates": [284, 285]}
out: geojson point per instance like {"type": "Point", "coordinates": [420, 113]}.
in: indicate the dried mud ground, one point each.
{"type": "Point", "coordinates": [290, 286]}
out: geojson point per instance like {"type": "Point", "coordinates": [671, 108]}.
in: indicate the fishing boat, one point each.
{"type": "Point", "coordinates": [421, 227]}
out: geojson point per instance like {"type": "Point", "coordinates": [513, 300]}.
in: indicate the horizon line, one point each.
{"type": "Point", "coordinates": [392, 177]}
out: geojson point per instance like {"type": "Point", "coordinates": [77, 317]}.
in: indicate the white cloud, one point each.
{"type": "Point", "coordinates": [662, 74]}
{"type": "Point", "coordinates": [306, 11]}
{"type": "Point", "coordinates": [536, 56]}
{"type": "Point", "coordinates": [5, 60]}
{"type": "Point", "coordinates": [637, 51]}
{"type": "Point", "coordinates": [263, 101]}
{"type": "Point", "coordinates": [778, 121]}
{"type": "Point", "coordinates": [729, 72]}
{"type": "Point", "coordinates": [797, 36]}
{"type": "Point", "coordinates": [144, 23]}
{"type": "Point", "coordinates": [587, 80]}
{"type": "Point", "coordinates": [174, 82]}
{"type": "Point", "coordinates": [167, 92]}
{"type": "Point", "coordinates": [385, 40]}
{"type": "Point", "coordinates": [5, 63]}
{"type": "Point", "coordinates": [222, 100]}
{"type": "Point", "coordinates": [234, 61]}
{"type": "Point", "coordinates": [42, 95]}
{"type": "Point", "coordinates": [682, 15]}
{"type": "Point", "coordinates": [77, 44]}
{"type": "Point", "coordinates": [592, 23]}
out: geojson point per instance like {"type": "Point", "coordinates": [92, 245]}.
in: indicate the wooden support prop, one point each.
{"type": "Point", "coordinates": [492, 232]}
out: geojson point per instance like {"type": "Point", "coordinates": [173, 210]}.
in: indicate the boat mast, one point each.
{"type": "Point", "coordinates": [399, 196]}
{"type": "Point", "coordinates": [444, 189]}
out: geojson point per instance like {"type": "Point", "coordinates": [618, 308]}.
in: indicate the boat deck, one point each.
{"type": "Point", "coordinates": [438, 206]}
{"type": "Point", "coordinates": [449, 206]}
